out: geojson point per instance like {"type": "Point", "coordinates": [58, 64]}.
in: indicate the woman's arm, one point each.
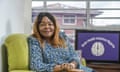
{"type": "Point", "coordinates": [36, 58]}
{"type": "Point", "coordinates": [73, 56]}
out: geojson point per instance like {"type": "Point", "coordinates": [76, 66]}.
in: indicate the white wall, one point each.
{"type": "Point", "coordinates": [15, 17]}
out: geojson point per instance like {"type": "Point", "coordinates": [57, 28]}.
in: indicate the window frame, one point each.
{"type": "Point", "coordinates": [69, 18]}
{"type": "Point", "coordinates": [88, 25]}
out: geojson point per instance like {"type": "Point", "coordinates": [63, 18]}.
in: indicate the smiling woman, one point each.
{"type": "Point", "coordinates": [50, 49]}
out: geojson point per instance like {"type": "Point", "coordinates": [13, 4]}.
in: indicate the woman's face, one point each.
{"type": "Point", "coordinates": [46, 27]}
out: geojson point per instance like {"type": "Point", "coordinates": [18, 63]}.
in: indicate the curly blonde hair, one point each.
{"type": "Point", "coordinates": [56, 41]}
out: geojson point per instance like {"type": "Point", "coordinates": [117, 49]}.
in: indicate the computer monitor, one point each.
{"type": "Point", "coordinates": [98, 46]}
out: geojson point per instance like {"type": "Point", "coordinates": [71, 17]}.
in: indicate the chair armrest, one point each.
{"type": "Point", "coordinates": [83, 61]}
{"type": "Point", "coordinates": [22, 71]}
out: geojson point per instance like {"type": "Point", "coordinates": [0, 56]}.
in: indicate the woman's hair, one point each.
{"type": "Point", "coordinates": [56, 40]}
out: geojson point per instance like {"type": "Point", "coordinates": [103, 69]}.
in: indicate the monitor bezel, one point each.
{"type": "Point", "coordinates": [97, 31]}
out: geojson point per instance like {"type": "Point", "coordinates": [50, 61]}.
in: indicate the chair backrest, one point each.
{"type": "Point", "coordinates": [16, 50]}
{"type": "Point", "coordinates": [4, 59]}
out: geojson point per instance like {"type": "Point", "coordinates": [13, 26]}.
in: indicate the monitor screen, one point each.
{"type": "Point", "coordinates": [99, 46]}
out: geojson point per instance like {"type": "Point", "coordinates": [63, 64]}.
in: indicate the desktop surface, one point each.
{"type": "Point", "coordinates": [110, 67]}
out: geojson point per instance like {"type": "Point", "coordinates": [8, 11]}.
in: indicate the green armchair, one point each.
{"type": "Point", "coordinates": [15, 55]}
{"type": "Point", "coordinates": [15, 50]}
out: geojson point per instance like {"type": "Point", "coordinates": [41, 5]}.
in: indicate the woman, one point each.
{"type": "Point", "coordinates": [50, 50]}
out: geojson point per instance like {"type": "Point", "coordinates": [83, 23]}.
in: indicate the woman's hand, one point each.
{"type": "Point", "coordinates": [67, 66]}
{"type": "Point", "coordinates": [74, 64]}
{"type": "Point", "coordinates": [57, 68]}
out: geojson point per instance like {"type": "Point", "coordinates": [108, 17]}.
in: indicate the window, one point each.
{"type": "Point", "coordinates": [66, 12]}
{"type": "Point", "coordinates": [109, 13]}
{"type": "Point", "coordinates": [81, 14]}
{"type": "Point", "coordinates": [93, 11]}
{"type": "Point", "coordinates": [37, 4]}
{"type": "Point", "coordinates": [69, 20]}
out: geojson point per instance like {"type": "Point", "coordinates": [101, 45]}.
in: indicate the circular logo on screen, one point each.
{"type": "Point", "coordinates": [97, 49]}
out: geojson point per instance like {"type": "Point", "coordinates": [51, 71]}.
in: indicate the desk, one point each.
{"type": "Point", "coordinates": [105, 67]}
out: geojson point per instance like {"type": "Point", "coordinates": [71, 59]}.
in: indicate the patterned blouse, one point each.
{"type": "Point", "coordinates": [44, 59]}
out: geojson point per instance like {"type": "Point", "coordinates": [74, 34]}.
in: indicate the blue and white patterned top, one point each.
{"type": "Point", "coordinates": [44, 59]}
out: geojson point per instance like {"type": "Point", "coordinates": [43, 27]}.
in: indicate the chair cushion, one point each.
{"type": "Point", "coordinates": [21, 71]}
{"type": "Point", "coordinates": [17, 49]}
